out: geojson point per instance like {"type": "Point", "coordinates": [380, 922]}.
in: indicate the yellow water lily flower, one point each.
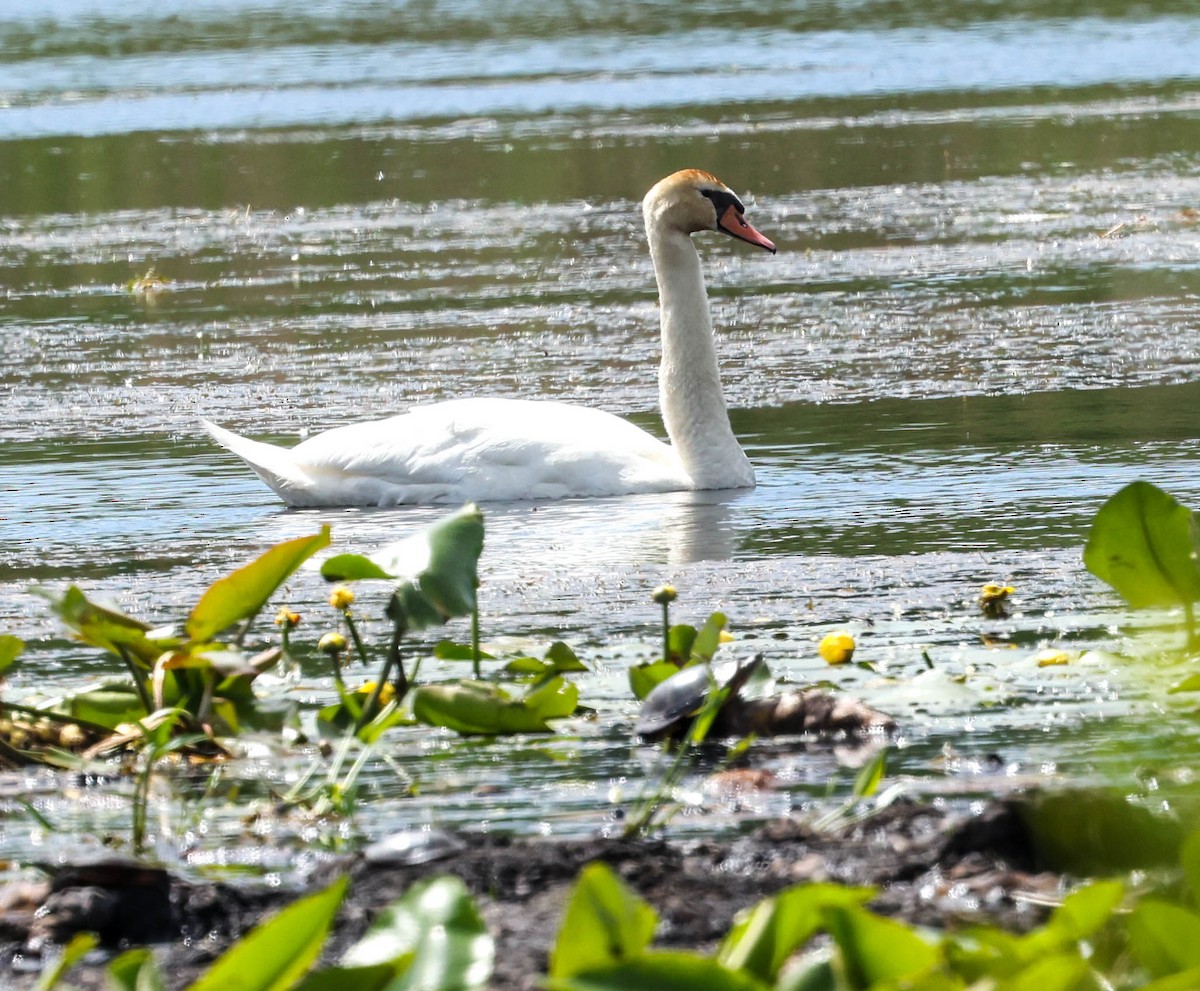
{"type": "Point", "coordinates": [993, 598]}
{"type": "Point", "coordinates": [341, 597]}
{"type": "Point", "coordinates": [837, 647]}
{"type": "Point", "coordinates": [386, 693]}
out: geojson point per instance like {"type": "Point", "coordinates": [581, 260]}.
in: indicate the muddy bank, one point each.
{"type": "Point", "coordinates": [932, 866]}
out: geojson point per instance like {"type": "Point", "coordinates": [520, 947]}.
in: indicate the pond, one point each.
{"type": "Point", "coordinates": [980, 323]}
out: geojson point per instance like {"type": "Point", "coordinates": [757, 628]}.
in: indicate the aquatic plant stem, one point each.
{"type": "Point", "coordinates": [475, 643]}
{"type": "Point", "coordinates": [393, 659]}
{"type": "Point", "coordinates": [358, 644]}
{"type": "Point", "coordinates": [138, 684]}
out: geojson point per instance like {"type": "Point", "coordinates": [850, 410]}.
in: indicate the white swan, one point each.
{"type": "Point", "coordinates": [501, 449]}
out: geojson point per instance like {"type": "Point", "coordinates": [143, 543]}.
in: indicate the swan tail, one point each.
{"type": "Point", "coordinates": [273, 464]}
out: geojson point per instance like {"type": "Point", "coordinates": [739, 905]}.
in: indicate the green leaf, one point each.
{"type": "Point", "coordinates": [662, 970]}
{"type": "Point", "coordinates": [867, 780]}
{"type": "Point", "coordinates": [475, 707]}
{"type": "Point", "coordinates": [81, 945]}
{"type": "Point", "coordinates": [605, 923]}
{"type": "Point", "coordinates": [108, 706]}
{"type": "Point", "coordinates": [448, 650]}
{"type": "Point", "coordinates": [1185, 980]}
{"type": "Point", "coordinates": [242, 594]}
{"type": "Point", "coordinates": [1164, 937]}
{"type": "Point", "coordinates": [709, 638]}
{"type": "Point", "coordinates": [644, 678]}
{"type": "Point", "coordinates": [763, 937]}
{"type": "Point", "coordinates": [351, 567]}
{"type": "Point", "coordinates": [874, 949]}
{"type": "Point", "coordinates": [563, 658]}
{"type": "Point", "coordinates": [1059, 972]}
{"type": "Point", "coordinates": [439, 565]}
{"type": "Point", "coordinates": [1189, 684]}
{"type": "Point", "coordinates": [106, 628]}
{"type": "Point", "coordinates": [1145, 545]}
{"type": "Point", "coordinates": [679, 644]}
{"type": "Point", "coordinates": [10, 650]}
{"type": "Point", "coordinates": [275, 954]}
{"type": "Point", "coordinates": [135, 970]}
{"type": "Point", "coordinates": [553, 699]}
{"type": "Point", "coordinates": [1085, 911]}
{"type": "Point", "coordinates": [1189, 860]}
{"type": "Point", "coordinates": [374, 978]}
{"type": "Point", "coordinates": [436, 928]}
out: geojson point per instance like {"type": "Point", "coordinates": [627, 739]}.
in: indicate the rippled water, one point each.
{"type": "Point", "coordinates": [981, 322]}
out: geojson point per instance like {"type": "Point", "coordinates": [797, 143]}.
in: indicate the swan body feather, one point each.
{"type": "Point", "coordinates": [508, 449]}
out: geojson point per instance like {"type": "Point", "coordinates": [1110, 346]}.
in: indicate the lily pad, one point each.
{"type": "Point", "coordinates": [1145, 545]}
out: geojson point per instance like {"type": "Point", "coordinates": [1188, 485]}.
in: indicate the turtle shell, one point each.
{"type": "Point", "coordinates": [681, 696]}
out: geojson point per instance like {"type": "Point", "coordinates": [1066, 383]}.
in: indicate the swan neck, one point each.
{"type": "Point", "coordinates": [690, 394]}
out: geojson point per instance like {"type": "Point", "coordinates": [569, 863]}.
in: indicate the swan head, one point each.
{"type": "Point", "coordinates": [692, 200]}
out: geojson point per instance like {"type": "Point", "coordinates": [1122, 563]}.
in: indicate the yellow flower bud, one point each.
{"type": "Point", "coordinates": [331, 643]}
{"type": "Point", "coordinates": [285, 617]}
{"type": "Point", "coordinates": [341, 597]}
{"type": "Point", "coordinates": [836, 648]}
{"type": "Point", "coordinates": [992, 599]}
{"type": "Point", "coordinates": [664, 594]}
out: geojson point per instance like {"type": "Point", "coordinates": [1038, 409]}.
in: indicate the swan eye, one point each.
{"type": "Point", "coordinates": [722, 200]}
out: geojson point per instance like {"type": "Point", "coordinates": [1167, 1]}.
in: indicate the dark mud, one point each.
{"type": "Point", "coordinates": [934, 867]}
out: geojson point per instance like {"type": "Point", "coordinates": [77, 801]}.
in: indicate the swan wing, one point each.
{"type": "Point", "coordinates": [471, 449]}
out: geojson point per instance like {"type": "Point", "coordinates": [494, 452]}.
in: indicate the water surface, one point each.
{"type": "Point", "coordinates": [981, 323]}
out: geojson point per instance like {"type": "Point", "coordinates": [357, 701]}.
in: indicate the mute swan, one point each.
{"type": "Point", "coordinates": [501, 449]}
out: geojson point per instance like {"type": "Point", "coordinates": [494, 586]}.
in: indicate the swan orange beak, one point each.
{"type": "Point", "coordinates": [734, 224]}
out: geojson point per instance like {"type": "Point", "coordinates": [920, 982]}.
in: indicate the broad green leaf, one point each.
{"type": "Point", "coordinates": [135, 970]}
{"type": "Point", "coordinates": [448, 650]}
{"type": "Point", "coordinates": [351, 567]}
{"type": "Point", "coordinates": [763, 937]}
{"type": "Point", "coordinates": [277, 953]}
{"type": "Point", "coordinates": [375, 978]}
{"type": "Point", "coordinates": [242, 594]}
{"type": "Point", "coordinates": [1145, 545]}
{"type": "Point", "coordinates": [1185, 980]}
{"type": "Point", "coordinates": [527, 667]}
{"type": "Point", "coordinates": [1189, 859]}
{"type": "Point", "coordinates": [1058, 972]}
{"type": "Point", "coordinates": [10, 650]}
{"type": "Point", "coordinates": [679, 644]}
{"type": "Point", "coordinates": [440, 563]}
{"type": "Point", "coordinates": [563, 658]}
{"type": "Point", "coordinates": [81, 945]}
{"type": "Point", "coordinates": [1189, 684]}
{"type": "Point", "coordinates": [108, 706]}
{"type": "Point", "coordinates": [409, 608]}
{"type": "Point", "coordinates": [811, 971]}
{"type": "Point", "coordinates": [605, 923]}
{"type": "Point", "coordinates": [474, 707]}
{"type": "Point", "coordinates": [1164, 937]}
{"type": "Point", "coordinates": [1085, 911]}
{"type": "Point", "coordinates": [709, 638]}
{"type": "Point", "coordinates": [436, 927]}
{"type": "Point", "coordinates": [108, 629]}
{"type": "Point", "coordinates": [661, 970]}
{"type": "Point", "coordinates": [556, 699]}
{"type": "Point", "coordinates": [874, 949]}
{"type": "Point", "coordinates": [644, 678]}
